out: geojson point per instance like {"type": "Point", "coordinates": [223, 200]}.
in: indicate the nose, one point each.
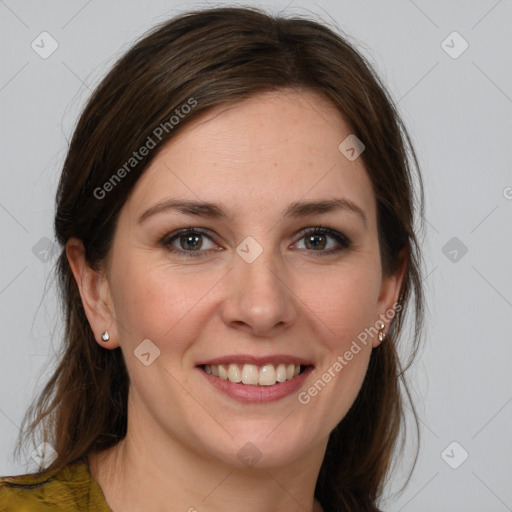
{"type": "Point", "coordinates": [259, 297]}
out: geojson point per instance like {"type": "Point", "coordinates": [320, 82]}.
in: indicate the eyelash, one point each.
{"type": "Point", "coordinates": [343, 241]}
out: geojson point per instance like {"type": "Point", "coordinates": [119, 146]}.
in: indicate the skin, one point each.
{"type": "Point", "coordinates": [253, 158]}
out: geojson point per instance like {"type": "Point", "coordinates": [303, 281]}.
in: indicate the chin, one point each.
{"type": "Point", "coordinates": [254, 446]}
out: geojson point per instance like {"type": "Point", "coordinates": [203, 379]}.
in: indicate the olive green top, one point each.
{"type": "Point", "coordinates": [69, 489]}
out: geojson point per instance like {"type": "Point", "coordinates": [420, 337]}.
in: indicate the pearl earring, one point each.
{"type": "Point", "coordinates": [105, 336]}
{"type": "Point", "coordinates": [382, 334]}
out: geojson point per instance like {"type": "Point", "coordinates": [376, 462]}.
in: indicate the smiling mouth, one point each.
{"type": "Point", "coordinates": [254, 375]}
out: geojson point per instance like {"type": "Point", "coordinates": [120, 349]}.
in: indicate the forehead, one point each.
{"type": "Point", "coordinates": [264, 152]}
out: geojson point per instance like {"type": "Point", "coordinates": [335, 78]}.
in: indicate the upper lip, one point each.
{"type": "Point", "coordinates": [257, 360]}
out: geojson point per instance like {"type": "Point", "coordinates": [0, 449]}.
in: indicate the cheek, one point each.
{"type": "Point", "coordinates": [343, 305]}
{"type": "Point", "coordinates": [154, 301]}
{"type": "Point", "coordinates": [344, 302]}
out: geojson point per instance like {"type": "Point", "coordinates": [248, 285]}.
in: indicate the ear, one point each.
{"type": "Point", "coordinates": [95, 293]}
{"type": "Point", "coordinates": [389, 294]}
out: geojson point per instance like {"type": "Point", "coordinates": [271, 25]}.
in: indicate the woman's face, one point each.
{"type": "Point", "coordinates": [241, 275]}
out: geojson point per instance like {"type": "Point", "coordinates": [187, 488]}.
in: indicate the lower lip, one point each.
{"type": "Point", "coordinates": [258, 394]}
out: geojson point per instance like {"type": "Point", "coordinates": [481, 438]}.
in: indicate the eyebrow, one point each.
{"type": "Point", "coordinates": [295, 210]}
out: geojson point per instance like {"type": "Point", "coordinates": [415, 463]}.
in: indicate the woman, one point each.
{"type": "Point", "coordinates": [236, 218]}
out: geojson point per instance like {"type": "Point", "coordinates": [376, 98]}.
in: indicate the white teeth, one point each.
{"type": "Point", "coordinates": [223, 373]}
{"type": "Point", "coordinates": [234, 374]}
{"type": "Point", "coordinates": [266, 375]}
{"type": "Point", "coordinates": [281, 373]}
{"type": "Point", "coordinates": [250, 374]}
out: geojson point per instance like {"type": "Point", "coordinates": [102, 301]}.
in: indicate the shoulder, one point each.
{"type": "Point", "coordinates": [69, 489]}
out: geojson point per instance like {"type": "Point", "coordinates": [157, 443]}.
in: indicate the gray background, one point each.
{"type": "Point", "coordinates": [458, 111]}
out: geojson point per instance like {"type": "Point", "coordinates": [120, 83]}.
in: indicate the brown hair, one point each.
{"type": "Point", "coordinates": [205, 59]}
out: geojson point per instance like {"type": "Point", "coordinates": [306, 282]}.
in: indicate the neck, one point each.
{"type": "Point", "coordinates": [157, 472]}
